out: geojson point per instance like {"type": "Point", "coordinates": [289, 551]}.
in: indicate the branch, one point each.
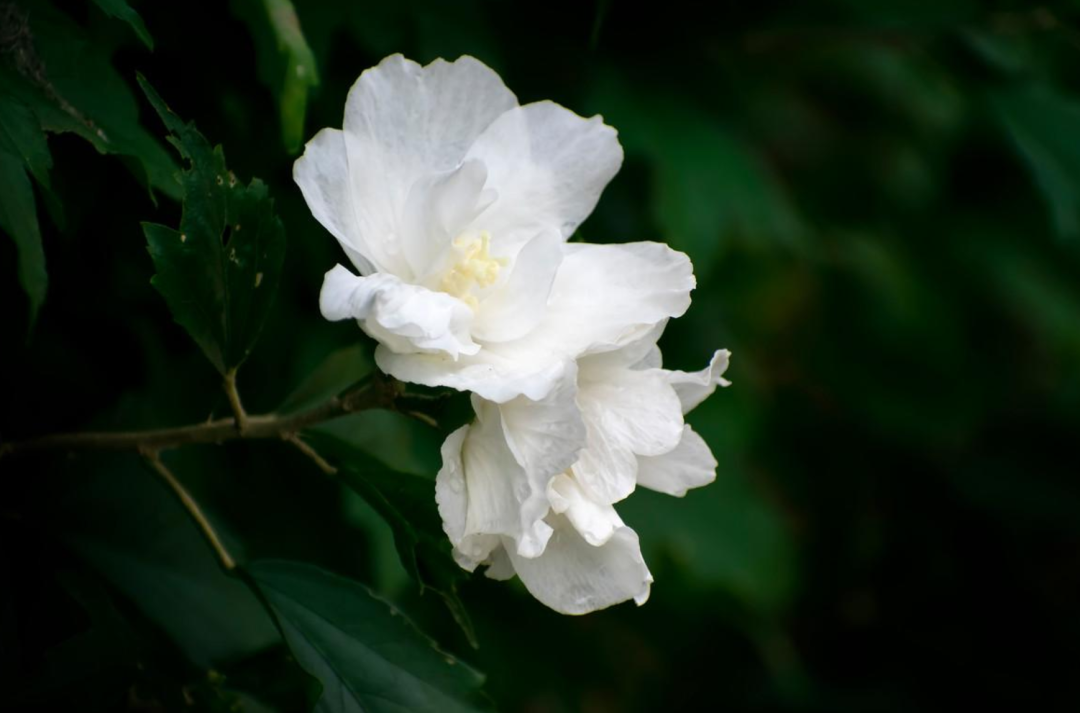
{"type": "Point", "coordinates": [370, 395]}
{"type": "Point", "coordinates": [154, 460]}
{"type": "Point", "coordinates": [239, 414]}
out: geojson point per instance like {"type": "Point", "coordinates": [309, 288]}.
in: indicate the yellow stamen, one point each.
{"type": "Point", "coordinates": [475, 268]}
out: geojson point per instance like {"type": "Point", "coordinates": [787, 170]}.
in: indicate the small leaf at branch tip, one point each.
{"type": "Point", "coordinates": [258, 279]}
{"type": "Point", "coordinates": [183, 237]}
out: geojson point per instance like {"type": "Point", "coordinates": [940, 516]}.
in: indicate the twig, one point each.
{"type": "Point", "coordinates": [153, 458]}
{"type": "Point", "coordinates": [239, 414]}
{"type": "Point", "coordinates": [311, 453]}
{"type": "Point", "coordinates": [370, 395]}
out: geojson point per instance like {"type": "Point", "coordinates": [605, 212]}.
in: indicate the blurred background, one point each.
{"type": "Point", "coordinates": [882, 204]}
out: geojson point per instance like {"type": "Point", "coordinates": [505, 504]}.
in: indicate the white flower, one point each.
{"type": "Point", "coordinates": [454, 203]}
{"type": "Point", "coordinates": [515, 495]}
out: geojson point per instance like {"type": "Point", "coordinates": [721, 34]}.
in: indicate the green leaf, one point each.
{"type": "Point", "coordinates": [1045, 127]}
{"type": "Point", "coordinates": [121, 10]}
{"type": "Point", "coordinates": [286, 63]}
{"type": "Point", "coordinates": [18, 218]}
{"type": "Point", "coordinates": [407, 503]}
{"type": "Point", "coordinates": [21, 135]}
{"type": "Point", "coordinates": [341, 369]}
{"type": "Point", "coordinates": [117, 516]}
{"type": "Point", "coordinates": [66, 77]}
{"type": "Point", "coordinates": [220, 271]}
{"type": "Point", "coordinates": [367, 656]}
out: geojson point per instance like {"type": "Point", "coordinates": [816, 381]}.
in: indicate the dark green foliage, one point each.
{"type": "Point", "coordinates": [882, 203]}
{"type": "Point", "coordinates": [219, 272]}
{"type": "Point", "coordinates": [407, 504]}
{"type": "Point", "coordinates": [286, 63]}
{"type": "Point", "coordinates": [367, 655]}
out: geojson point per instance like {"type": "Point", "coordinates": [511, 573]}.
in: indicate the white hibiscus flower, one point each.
{"type": "Point", "coordinates": [454, 204]}
{"type": "Point", "coordinates": [511, 498]}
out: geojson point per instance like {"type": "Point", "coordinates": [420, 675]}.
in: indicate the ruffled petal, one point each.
{"type": "Point", "coordinates": [627, 413]}
{"type": "Point", "coordinates": [515, 308]}
{"type": "Point", "coordinates": [594, 521]}
{"type": "Point", "coordinates": [438, 208]}
{"type": "Point", "coordinates": [545, 436]}
{"type": "Point", "coordinates": [607, 296]}
{"type": "Point", "coordinates": [404, 122]}
{"type": "Point", "coordinates": [603, 297]}
{"type": "Point", "coordinates": [549, 166]}
{"type": "Point", "coordinates": [689, 465]}
{"type": "Point", "coordinates": [489, 374]}
{"type": "Point", "coordinates": [573, 577]}
{"type": "Point", "coordinates": [483, 492]}
{"type": "Point", "coordinates": [402, 317]}
{"type": "Point", "coordinates": [322, 174]}
{"type": "Point", "coordinates": [694, 387]}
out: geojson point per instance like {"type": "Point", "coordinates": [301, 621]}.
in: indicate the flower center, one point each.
{"type": "Point", "coordinates": [474, 268]}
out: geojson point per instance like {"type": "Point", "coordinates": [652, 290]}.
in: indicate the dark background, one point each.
{"type": "Point", "coordinates": [882, 203]}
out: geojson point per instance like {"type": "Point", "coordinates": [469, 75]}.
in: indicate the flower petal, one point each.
{"type": "Point", "coordinates": [516, 307]}
{"type": "Point", "coordinates": [438, 207]}
{"type": "Point", "coordinates": [607, 296]}
{"type": "Point", "coordinates": [481, 475]}
{"type": "Point", "coordinates": [690, 465]}
{"type": "Point", "coordinates": [627, 413]}
{"type": "Point", "coordinates": [545, 436]}
{"type": "Point", "coordinates": [549, 166]}
{"type": "Point", "coordinates": [400, 316]}
{"type": "Point", "coordinates": [573, 577]}
{"type": "Point", "coordinates": [594, 521]}
{"type": "Point", "coordinates": [322, 174]}
{"type": "Point", "coordinates": [404, 122]}
{"type": "Point", "coordinates": [694, 387]}
{"type": "Point", "coordinates": [603, 297]}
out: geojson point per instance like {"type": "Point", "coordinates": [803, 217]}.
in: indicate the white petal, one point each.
{"type": "Point", "coordinates": [545, 436]}
{"type": "Point", "coordinates": [499, 498]}
{"type": "Point", "coordinates": [517, 306]}
{"type": "Point", "coordinates": [627, 413]}
{"type": "Point", "coordinates": [499, 565]}
{"type": "Point", "coordinates": [606, 296]}
{"type": "Point", "coordinates": [438, 208]}
{"type": "Point", "coordinates": [573, 577]}
{"type": "Point", "coordinates": [690, 465]}
{"type": "Point", "coordinates": [603, 297]}
{"type": "Point", "coordinates": [450, 486]}
{"type": "Point", "coordinates": [695, 387]}
{"type": "Point", "coordinates": [402, 317]}
{"type": "Point", "coordinates": [594, 521]}
{"type": "Point", "coordinates": [451, 495]}
{"type": "Point", "coordinates": [549, 166]}
{"type": "Point", "coordinates": [404, 122]}
{"type": "Point", "coordinates": [641, 353]}
{"type": "Point", "coordinates": [322, 174]}
{"type": "Point", "coordinates": [489, 373]}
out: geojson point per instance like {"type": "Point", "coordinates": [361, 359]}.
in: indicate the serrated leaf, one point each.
{"type": "Point", "coordinates": [18, 218]}
{"type": "Point", "coordinates": [67, 79]}
{"type": "Point", "coordinates": [407, 503]}
{"type": "Point", "coordinates": [368, 657]}
{"type": "Point", "coordinates": [220, 270]}
{"type": "Point", "coordinates": [121, 10]}
{"type": "Point", "coordinates": [286, 63]}
{"type": "Point", "coordinates": [1045, 126]}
